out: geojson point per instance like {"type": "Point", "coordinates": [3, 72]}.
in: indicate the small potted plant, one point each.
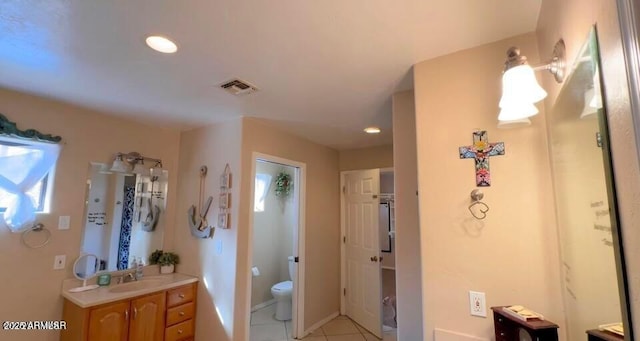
{"type": "Point", "coordinates": [167, 262]}
{"type": "Point", "coordinates": [155, 255]}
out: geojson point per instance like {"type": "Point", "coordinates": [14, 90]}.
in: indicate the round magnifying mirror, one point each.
{"type": "Point", "coordinates": [84, 268]}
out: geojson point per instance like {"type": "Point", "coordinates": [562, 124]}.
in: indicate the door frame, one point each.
{"type": "Point", "coordinates": [299, 242]}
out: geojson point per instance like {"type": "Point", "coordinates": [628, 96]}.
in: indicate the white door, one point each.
{"type": "Point", "coordinates": [363, 272]}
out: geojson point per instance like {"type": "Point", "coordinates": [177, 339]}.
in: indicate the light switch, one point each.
{"type": "Point", "coordinates": [63, 222]}
{"type": "Point", "coordinates": [59, 262]}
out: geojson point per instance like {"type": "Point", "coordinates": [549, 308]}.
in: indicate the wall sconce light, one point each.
{"type": "Point", "coordinates": [124, 162]}
{"type": "Point", "coordinates": [520, 89]}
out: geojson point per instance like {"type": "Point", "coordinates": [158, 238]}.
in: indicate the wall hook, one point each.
{"type": "Point", "coordinates": [476, 197]}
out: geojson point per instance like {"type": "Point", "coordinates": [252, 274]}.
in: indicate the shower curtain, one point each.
{"type": "Point", "coordinates": [125, 228]}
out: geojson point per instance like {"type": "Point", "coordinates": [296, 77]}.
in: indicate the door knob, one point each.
{"type": "Point", "coordinates": [374, 258]}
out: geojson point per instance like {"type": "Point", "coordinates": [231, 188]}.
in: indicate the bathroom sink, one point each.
{"type": "Point", "coordinates": [145, 283]}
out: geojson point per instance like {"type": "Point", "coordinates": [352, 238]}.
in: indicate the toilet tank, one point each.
{"type": "Point", "coordinates": [292, 265]}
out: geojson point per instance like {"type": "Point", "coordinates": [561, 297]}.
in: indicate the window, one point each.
{"type": "Point", "coordinates": [25, 167]}
{"type": "Point", "coordinates": [37, 193]}
{"type": "Point", "coordinates": [263, 181]}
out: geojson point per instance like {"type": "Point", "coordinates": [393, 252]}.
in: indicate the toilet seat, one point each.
{"type": "Point", "coordinates": [283, 288]}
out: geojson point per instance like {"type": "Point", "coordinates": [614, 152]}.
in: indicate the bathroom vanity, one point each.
{"type": "Point", "coordinates": [153, 308]}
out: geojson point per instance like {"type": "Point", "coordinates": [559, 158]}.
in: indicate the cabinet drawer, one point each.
{"type": "Point", "coordinates": [180, 295]}
{"type": "Point", "coordinates": [180, 331]}
{"type": "Point", "coordinates": [180, 313]}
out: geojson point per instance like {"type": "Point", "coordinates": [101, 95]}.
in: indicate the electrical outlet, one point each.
{"type": "Point", "coordinates": [63, 222]}
{"type": "Point", "coordinates": [59, 262]}
{"type": "Point", "coordinates": [477, 304]}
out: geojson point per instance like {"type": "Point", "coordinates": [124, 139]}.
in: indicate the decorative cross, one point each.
{"type": "Point", "coordinates": [481, 150]}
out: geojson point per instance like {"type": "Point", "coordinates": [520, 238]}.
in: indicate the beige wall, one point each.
{"type": "Point", "coordinates": [214, 259]}
{"type": "Point", "coordinates": [366, 158]}
{"type": "Point", "coordinates": [407, 242]}
{"type": "Point", "coordinates": [512, 255]}
{"type": "Point", "coordinates": [571, 20]}
{"type": "Point", "coordinates": [31, 287]}
{"type": "Point", "coordinates": [322, 219]}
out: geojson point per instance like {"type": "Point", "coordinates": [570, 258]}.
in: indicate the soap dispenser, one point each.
{"type": "Point", "coordinates": [139, 269]}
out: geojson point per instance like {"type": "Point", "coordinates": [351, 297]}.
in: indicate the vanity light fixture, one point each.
{"type": "Point", "coordinates": [514, 123]}
{"type": "Point", "coordinates": [520, 89]}
{"type": "Point", "coordinates": [125, 161]}
{"type": "Point", "coordinates": [139, 168]}
{"type": "Point", "coordinates": [372, 130]}
{"type": "Point", "coordinates": [161, 44]}
{"type": "Point", "coordinates": [119, 166]}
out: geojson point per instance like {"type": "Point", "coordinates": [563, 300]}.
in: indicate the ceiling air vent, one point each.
{"type": "Point", "coordinates": [238, 87]}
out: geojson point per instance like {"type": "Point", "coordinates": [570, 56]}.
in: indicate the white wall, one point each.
{"type": "Point", "coordinates": [512, 255]}
{"type": "Point", "coordinates": [212, 146]}
{"type": "Point", "coordinates": [272, 237]}
{"type": "Point", "coordinates": [407, 242]}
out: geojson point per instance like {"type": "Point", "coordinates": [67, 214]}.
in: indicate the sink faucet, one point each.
{"type": "Point", "coordinates": [126, 277]}
{"type": "Point", "coordinates": [129, 277]}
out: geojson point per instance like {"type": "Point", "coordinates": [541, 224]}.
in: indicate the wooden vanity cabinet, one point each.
{"type": "Point", "coordinates": [166, 315]}
{"type": "Point", "coordinates": [180, 313]}
{"type": "Point", "coordinates": [147, 318]}
{"type": "Point", "coordinates": [110, 322]}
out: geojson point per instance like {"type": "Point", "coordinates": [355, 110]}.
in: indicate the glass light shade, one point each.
{"type": "Point", "coordinates": [514, 123]}
{"type": "Point", "coordinates": [119, 166]}
{"type": "Point", "coordinates": [140, 169]}
{"type": "Point", "coordinates": [159, 172]}
{"type": "Point", "coordinates": [590, 108]}
{"type": "Point", "coordinates": [519, 86]}
{"type": "Point", "coordinates": [518, 112]}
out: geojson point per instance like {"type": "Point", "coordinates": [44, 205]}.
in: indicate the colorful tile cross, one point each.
{"type": "Point", "coordinates": [481, 150]}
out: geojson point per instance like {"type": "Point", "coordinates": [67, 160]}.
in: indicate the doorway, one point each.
{"type": "Point", "coordinates": [276, 255]}
{"type": "Point", "coordinates": [368, 262]}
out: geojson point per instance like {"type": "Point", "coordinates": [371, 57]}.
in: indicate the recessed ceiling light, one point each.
{"type": "Point", "coordinates": [372, 130]}
{"type": "Point", "coordinates": [161, 44]}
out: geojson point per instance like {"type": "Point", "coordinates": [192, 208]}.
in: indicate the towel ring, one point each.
{"type": "Point", "coordinates": [476, 197]}
{"type": "Point", "coordinates": [39, 227]}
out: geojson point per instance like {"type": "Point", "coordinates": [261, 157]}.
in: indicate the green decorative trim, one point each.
{"type": "Point", "coordinates": [11, 129]}
{"type": "Point", "coordinates": [283, 185]}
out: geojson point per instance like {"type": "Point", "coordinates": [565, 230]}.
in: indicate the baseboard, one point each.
{"type": "Point", "coordinates": [263, 304]}
{"type": "Point", "coordinates": [449, 335]}
{"type": "Point", "coordinates": [320, 323]}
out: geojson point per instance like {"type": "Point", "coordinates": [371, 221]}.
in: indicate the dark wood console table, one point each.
{"type": "Point", "coordinates": [509, 328]}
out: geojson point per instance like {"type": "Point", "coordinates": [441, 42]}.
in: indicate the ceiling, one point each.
{"type": "Point", "coordinates": [325, 69]}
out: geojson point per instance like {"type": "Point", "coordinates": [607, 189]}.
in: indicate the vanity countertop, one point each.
{"type": "Point", "coordinates": [105, 294]}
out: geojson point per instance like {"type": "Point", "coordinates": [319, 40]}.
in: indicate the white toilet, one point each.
{"type": "Point", "coordinates": [282, 293]}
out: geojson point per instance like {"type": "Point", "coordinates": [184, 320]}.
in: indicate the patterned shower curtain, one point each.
{"type": "Point", "coordinates": [125, 227]}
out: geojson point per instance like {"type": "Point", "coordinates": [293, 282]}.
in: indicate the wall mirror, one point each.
{"type": "Point", "coordinates": [124, 215]}
{"type": "Point", "coordinates": [594, 284]}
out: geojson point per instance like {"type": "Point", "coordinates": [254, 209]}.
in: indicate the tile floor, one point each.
{"type": "Point", "coordinates": [264, 327]}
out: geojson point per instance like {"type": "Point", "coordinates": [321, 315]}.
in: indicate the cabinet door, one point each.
{"type": "Point", "coordinates": [147, 318]}
{"type": "Point", "coordinates": [109, 323]}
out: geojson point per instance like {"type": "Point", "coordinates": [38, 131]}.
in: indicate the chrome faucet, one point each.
{"type": "Point", "coordinates": [129, 277]}
{"type": "Point", "coordinates": [126, 277]}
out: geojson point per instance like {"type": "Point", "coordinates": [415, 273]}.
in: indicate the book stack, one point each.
{"type": "Point", "coordinates": [615, 328]}
{"type": "Point", "coordinates": [522, 313]}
